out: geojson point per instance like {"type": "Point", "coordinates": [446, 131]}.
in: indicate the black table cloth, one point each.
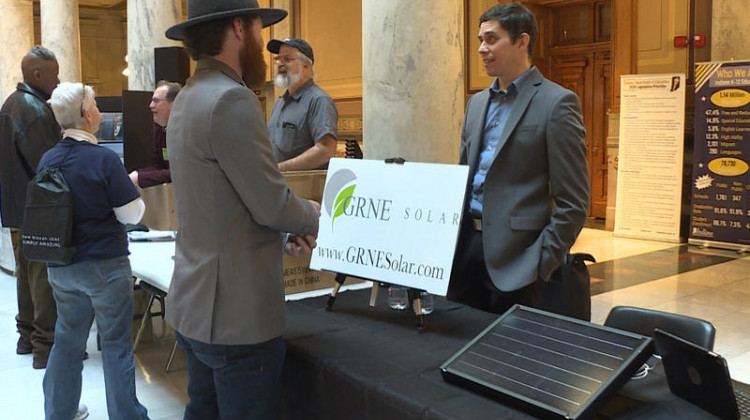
{"type": "Point", "coordinates": [363, 363]}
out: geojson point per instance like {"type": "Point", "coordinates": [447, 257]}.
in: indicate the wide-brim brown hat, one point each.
{"type": "Point", "coordinates": [199, 11]}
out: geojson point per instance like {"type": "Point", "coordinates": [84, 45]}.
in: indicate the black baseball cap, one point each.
{"type": "Point", "coordinates": [274, 46]}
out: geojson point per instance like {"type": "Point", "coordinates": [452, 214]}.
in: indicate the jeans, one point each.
{"type": "Point", "coordinates": [88, 289]}
{"type": "Point", "coordinates": [233, 382]}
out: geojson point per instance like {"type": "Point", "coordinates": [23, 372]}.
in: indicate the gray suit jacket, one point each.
{"type": "Point", "coordinates": [536, 193]}
{"type": "Point", "coordinates": [232, 205]}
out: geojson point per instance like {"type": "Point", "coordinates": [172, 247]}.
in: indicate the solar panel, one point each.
{"type": "Point", "coordinates": [550, 365]}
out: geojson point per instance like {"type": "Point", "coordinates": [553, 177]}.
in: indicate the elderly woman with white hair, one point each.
{"type": "Point", "coordinates": [97, 283]}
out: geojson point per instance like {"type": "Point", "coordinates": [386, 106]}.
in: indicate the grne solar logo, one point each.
{"type": "Point", "coordinates": [338, 193]}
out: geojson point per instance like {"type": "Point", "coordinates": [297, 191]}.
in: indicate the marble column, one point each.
{"type": "Point", "coordinates": [412, 79]}
{"type": "Point", "coordinates": [17, 19]}
{"type": "Point", "coordinates": [729, 30]}
{"type": "Point", "coordinates": [147, 22]}
{"type": "Point", "coordinates": [62, 35]}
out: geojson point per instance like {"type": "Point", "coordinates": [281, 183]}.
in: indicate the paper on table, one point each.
{"type": "Point", "coordinates": [152, 235]}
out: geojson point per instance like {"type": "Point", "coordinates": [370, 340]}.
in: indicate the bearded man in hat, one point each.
{"type": "Point", "coordinates": [304, 120]}
{"type": "Point", "coordinates": [227, 292]}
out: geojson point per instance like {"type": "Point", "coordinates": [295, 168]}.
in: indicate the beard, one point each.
{"type": "Point", "coordinates": [284, 81]}
{"type": "Point", "coordinates": [252, 63]}
{"type": "Point", "coordinates": [281, 81]}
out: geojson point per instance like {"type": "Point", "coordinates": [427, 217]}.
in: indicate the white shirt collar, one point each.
{"type": "Point", "coordinates": [80, 135]}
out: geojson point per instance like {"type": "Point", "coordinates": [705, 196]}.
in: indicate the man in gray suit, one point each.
{"type": "Point", "coordinates": [227, 294]}
{"type": "Point", "coordinates": [528, 187]}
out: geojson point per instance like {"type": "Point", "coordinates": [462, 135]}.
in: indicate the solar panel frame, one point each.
{"type": "Point", "coordinates": [550, 365]}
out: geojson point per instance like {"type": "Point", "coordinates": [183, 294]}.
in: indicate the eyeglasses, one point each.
{"type": "Point", "coordinates": [83, 97]}
{"type": "Point", "coordinates": [158, 100]}
{"type": "Point", "coordinates": [286, 58]}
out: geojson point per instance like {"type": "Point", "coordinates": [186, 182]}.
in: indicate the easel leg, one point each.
{"type": "Point", "coordinates": [374, 293]}
{"type": "Point", "coordinates": [416, 302]}
{"type": "Point", "coordinates": [340, 279]}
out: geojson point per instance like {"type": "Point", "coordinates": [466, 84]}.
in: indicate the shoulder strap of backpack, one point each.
{"type": "Point", "coordinates": [70, 149]}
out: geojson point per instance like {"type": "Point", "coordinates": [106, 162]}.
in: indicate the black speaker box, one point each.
{"type": "Point", "coordinates": [138, 126]}
{"type": "Point", "coordinates": [171, 64]}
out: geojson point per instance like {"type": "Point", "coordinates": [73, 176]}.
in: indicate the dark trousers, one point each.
{"type": "Point", "coordinates": [471, 284]}
{"type": "Point", "coordinates": [233, 382]}
{"type": "Point", "coordinates": [37, 311]}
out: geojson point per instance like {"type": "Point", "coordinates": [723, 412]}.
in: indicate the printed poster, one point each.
{"type": "Point", "coordinates": [720, 205]}
{"type": "Point", "coordinates": [649, 173]}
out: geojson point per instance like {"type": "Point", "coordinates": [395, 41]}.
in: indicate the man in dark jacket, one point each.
{"type": "Point", "coordinates": [27, 130]}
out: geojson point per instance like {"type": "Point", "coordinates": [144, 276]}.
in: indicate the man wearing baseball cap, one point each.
{"type": "Point", "coordinates": [226, 297]}
{"type": "Point", "coordinates": [303, 124]}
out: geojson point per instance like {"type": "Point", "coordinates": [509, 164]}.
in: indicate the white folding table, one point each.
{"type": "Point", "coordinates": [152, 263]}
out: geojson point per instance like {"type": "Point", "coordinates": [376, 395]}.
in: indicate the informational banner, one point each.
{"type": "Point", "coordinates": [649, 174]}
{"type": "Point", "coordinates": [721, 182]}
{"type": "Point", "coordinates": [390, 222]}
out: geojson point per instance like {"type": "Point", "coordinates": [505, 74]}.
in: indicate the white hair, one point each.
{"type": "Point", "coordinates": [305, 59]}
{"type": "Point", "coordinates": [68, 102]}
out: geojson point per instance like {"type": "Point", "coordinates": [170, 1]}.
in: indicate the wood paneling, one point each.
{"type": "Point", "coordinates": [477, 78]}
{"type": "Point", "coordinates": [603, 21]}
{"type": "Point", "coordinates": [103, 3]}
{"type": "Point", "coordinates": [581, 62]}
{"type": "Point", "coordinates": [574, 24]}
{"type": "Point", "coordinates": [624, 27]}
{"type": "Point", "coordinates": [597, 153]}
{"type": "Point", "coordinates": [659, 21]}
{"type": "Point", "coordinates": [334, 30]}
{"type": "Point", "coordinates": [588, 75]}
{"type": "Point", "coordinates": [103, 48]}
{"type": "Point", "coordinates": [266, 34]}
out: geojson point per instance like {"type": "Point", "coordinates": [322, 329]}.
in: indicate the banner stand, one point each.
{"type": "Point", "coordinates": [414, 294]}
{"type": "Point", "coordinates": [720, 201]}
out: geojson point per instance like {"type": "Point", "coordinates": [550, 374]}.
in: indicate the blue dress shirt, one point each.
{"type": "Point", "coordinates": [501, 102]}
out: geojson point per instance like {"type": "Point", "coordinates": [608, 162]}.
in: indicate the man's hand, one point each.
{"type": "Point", "coordinates": [316, 205]}
{"type": "Point", "coordinates": [298, 245]}
{"type": "Point", "coordinates": [134, 178]}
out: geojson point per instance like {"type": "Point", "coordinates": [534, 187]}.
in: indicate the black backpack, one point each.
{"type": "Point", "coordinates": [47, 232]}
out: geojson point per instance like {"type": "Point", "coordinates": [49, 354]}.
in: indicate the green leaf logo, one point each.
{"type": "Point", "coordinates": [342, 200]}
{"type": "Point", "coordinates": [335, 195]}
